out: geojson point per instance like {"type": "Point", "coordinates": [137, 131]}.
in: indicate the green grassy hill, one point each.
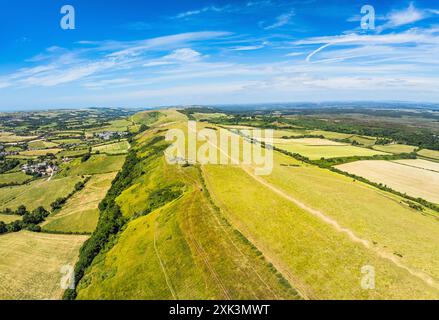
{"type": "Point", "coordinates": [175, 243]}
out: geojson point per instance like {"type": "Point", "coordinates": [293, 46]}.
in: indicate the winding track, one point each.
{"type": "Point", "coordinates": [419, 274]}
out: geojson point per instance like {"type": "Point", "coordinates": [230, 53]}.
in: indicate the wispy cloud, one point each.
{"type": "Point", "coordinates": [406, 16]}
{"type": "Point", "coordinates": [202, 10]}
{"type": "Point", "coordinates": [58, 66]}
{"type": "Point", "coordinates": [281, 20]}
{"type": "Point", "coordinates": [248, 48]}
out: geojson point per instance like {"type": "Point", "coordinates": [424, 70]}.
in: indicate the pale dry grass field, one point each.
{"type": "Point", "coordinates": [308, 142]}
{"type": "Point", "coordinates": [419, 163]}
{"type": "Point", "coordinates": [30, 264]}
{"type": "Point", "coordinates": [414, 181]}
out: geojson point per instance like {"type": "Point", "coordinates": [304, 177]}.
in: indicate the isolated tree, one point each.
{"type": "Point", "coordinates": [21, 210]}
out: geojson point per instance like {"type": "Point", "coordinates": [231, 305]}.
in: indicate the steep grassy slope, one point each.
{"type": "Point", "coordinates": [176, 243]}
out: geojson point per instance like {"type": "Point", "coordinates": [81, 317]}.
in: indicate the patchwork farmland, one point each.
{"type": "Point", "coordinates": [333, 203]}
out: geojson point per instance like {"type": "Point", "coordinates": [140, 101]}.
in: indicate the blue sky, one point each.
{"type": "Point", "coordinates": [150, 53]}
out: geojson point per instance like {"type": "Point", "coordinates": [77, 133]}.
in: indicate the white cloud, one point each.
{"type": "Point", "coordinates": [185, 55]}
{"type": "Point", "coordinates": [281, 20]}
{"type": "Point", "coordinates": [138, 47]}
{"type": "Point", "coordinates": [247, 48]}
{"type": "Point", "coordinates": [405, 16]}
{"type": "Point", "coordinates": [202, 10]}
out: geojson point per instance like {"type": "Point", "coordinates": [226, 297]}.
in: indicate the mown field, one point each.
{"type": "Point", "coordinates": [9, 137]}
{"type": "Point", "coordinates": [14, 177]}
{"type": "Point", "coordinates": [97, 164]}
{"type": "Point", "coordinates": [41, 144]}
{"type": "Point", "coordinates": [81, 213]}
{"type": "Point", "coordinates": [31, 263]}
{"type": "Point", "coordinates": [6, 218]}
{"type": "Point", "coordinates": [40, 152]}
{"type": "Point", "coordinates": [420, 163]}
{"type": "Point", "coordinates": [409, 179]}
{"type": "Point", "coordinates": [318, 151]}
{"type": "Point", "coordinates": [37, 193]}
{"type": "Point", "coordinates": [433, 154]}
{"type": "Point", "coordinates": [395, 148]}
{"type": "Point", "coordinates": [113, 148]}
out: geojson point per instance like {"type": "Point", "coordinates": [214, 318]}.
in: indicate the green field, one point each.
{"type": "Point", "coordinates": [9, 137]}
{"type": "Point", "coordinates": [68, 141]}
{"type": "Point", "coordinates": [37, 193]}
{"type": "Point", "coordinates": [31, 264]}
{"type": "Point", "coordinates": [6, 218]}
{"type": "Point", "coordinates": [120, 147]}
{"type": "Point", "coordinates": [72, 153]}
{"type": "Point", "coordinates": [97, 164]}
{"type": "Point", "coordinates": [36, 153]}
{"type": "Point", "coordinates": [433, 154]}
{"type": "Point", "coordinates": [81, 213]}
{"type": "Point", "coordinates": [14, 177]}
{"type": "Point", "coordinates": [315, 152]}
{"type": "Point", "coordinates": [147, 117]}
{"type": "Point", "coordinates": [119, 125]}
{"type": "Point", "coordinates": [395, 148]}
{"type": "Point", "coordinates": [41, 144]}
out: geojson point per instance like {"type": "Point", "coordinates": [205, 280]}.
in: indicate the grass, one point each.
{"type": "Point", "coordinates": [184, 250]}
{"type": "Point", "coordinates": [41, 144]}
{"type": "Point", "coordinates": [97, 164]}
{"type": "Point", "coordinates": [37, 193]}
{"type": "Point", "coordinates": [315, 152]}
{"type": "Point", "coordinates": [80, 213]}
{"type": "Point", "coordinates": [31, 264]}
{"type": "Point", "coordinates": [420, 163]}
{"type": "Point", "coordinates": [147, 117]}
{"type": "Point", "coordinates": [365, 141]}
{"type": "Point", "coordinates": [119, 125]}
{"type": "Point", "coordinates": [433, 154]}
{"type": "Point", "coordinates": [6, 218]}
{"type": "Point", "coordinates": [330, 134]}
{"type": "Point", "coordinates": [18, 177]}
{"type": "Point", "coordinates": [37, 153]}
{"type": "Point", "coordinates": [120, 147]}
{"type": "Point", "coordinates": [72, 153]}
{"type": "Point", "coordinates": [68, 141]}
{"type": "Point", "coordinates": [395, 148]}
{"type": "Point", "coordinates": [9, 137]}
{"type": "Point", "coordinates": [414, 181]}
{"type": "Point", "coordinates": [321, 262]}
